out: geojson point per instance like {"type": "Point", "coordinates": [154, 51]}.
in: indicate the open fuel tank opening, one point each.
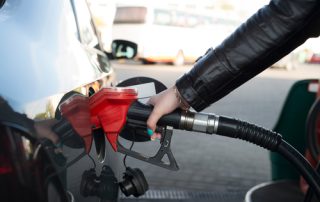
{"type": "Point", "coordinates": [132, 132]}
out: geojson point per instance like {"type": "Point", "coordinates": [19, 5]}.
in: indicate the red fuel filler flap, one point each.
{"type": "Point", "coordinates": [109, 108]}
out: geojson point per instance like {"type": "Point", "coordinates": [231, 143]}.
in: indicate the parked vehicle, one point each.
{"type": "Point", "coordinates": [315, 58]}
{"type": "Point", "coordinates": [168, 34]}
{"type": "Point", "coordinates": [310, 51]}
{"type": "Point", "coordinates": [49, 51]}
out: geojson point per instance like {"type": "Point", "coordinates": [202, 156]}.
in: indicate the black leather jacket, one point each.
{"type": "Point", "coordinates": [263, 39]}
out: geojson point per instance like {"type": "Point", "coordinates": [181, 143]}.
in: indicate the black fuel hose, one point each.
{"type": "Point", "coordinates": [224, 126]}
{"type": "Point", "coordinates": [312, 140]}
{"type": "Point", "coordinates": [311, 129]}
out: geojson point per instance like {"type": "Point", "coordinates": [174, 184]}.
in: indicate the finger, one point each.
{"type": "Point", "coordinates": [155, 136]}
{"type": "Point", "coordinates": [158, 135]}
{"type": "Point", "coordinates": [153, 119]}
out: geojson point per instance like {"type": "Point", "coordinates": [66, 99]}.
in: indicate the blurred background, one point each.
{"type": "Point", "coordinates": [171, 35]}
{"type": "Point", "coordinates": [178, 32]}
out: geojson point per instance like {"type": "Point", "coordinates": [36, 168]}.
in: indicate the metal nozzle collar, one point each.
{"type": "Point", "coordinates": [199, 122]}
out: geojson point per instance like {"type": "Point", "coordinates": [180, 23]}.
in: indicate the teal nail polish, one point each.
{"type": "Point", "coordinates": [59, 145]}
{"type": "Point", "coordinates": [149, 131]}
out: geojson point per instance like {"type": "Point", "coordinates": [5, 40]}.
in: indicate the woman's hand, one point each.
{"type": "Point", "coordinates": [164, 103]}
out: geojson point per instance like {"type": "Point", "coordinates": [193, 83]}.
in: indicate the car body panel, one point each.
{"type": "Point", "coordinates": [41, 51]}
{"type": "Point", "coordinates": [43, 57]}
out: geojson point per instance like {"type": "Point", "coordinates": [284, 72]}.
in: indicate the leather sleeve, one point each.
{"type": "Point", "coordinates": [267, 36]}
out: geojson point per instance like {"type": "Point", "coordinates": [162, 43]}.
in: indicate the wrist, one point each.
{"type": "Point", "coordinates": [182, 103]}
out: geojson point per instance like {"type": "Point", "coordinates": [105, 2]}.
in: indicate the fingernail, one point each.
{"type": "Point", "coordinates": [150, 132]}
{"type": "Point", "coordinates": [59, 145]}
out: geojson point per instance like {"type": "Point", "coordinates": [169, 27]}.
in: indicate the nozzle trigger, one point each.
{"type": "Point", "coordinates": [158, 158]}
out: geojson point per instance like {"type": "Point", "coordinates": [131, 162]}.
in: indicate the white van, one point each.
{"type": "Point", "coordinates": [163, 34]}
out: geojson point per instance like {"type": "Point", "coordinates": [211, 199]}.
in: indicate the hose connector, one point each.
{"type": "Point", "coordinates": [199, 122]}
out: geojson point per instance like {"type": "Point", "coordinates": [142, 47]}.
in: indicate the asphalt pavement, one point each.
{"type": "Point", "coordinates": [212, 167]}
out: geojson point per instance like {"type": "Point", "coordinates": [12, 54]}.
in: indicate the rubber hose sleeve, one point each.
{"type": "Point", "coordinates": [249, 132]}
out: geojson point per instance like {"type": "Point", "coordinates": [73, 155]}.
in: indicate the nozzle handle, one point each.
{"type": "Point", "coordinates": [141, 112]}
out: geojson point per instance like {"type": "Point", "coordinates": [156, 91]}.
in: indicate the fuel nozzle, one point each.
{"type": "Point", "coordinates": [209, 124]}
{"type": "Point", "coordinates": [179, 119]}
